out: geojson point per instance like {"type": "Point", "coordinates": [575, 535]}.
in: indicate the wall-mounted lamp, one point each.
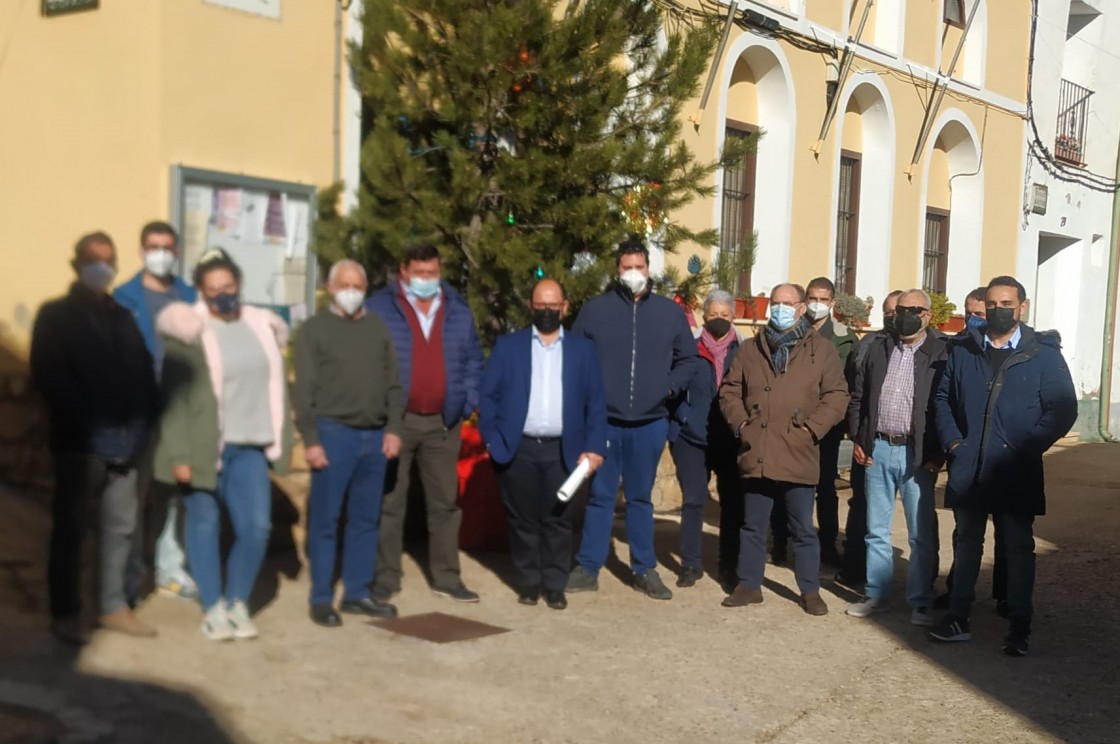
{"type": "Point", "coordinates": [831, 79]}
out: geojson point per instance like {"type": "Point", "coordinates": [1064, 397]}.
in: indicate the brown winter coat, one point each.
{"type": "Point", "coordinates": [781, 418]}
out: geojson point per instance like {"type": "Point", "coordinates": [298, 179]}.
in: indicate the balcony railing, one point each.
{"type": "Point", "coordinates": [1073, 118]}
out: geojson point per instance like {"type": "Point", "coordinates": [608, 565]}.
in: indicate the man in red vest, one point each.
{"type": "Point", "coordinates": [440, 361]}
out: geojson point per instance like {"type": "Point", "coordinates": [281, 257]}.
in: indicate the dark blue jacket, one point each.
{"type": "Point", "coordinates": [130, 295]}
{"type": "Point", "coordinates": [505, 397]}
{"type": "Point", "coordinates": [462, 353]}
{"type": "Point", "coordinates": [1004, 424]}
{"type": "Point", "coordinates": [646, 349]}
{"type": "Point", "coordinates": [695, 415]}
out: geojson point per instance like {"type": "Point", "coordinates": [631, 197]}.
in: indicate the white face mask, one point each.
{"type": "Point", "coordinates": [634, 280]}
{"type": "Point", "coordinates": [349, 300]}
{"type": "Point", "coordinates": [159, 262]}
{"type": "Point", "coordinates": [819, 310]}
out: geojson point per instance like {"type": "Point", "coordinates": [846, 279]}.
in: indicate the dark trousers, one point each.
{"type": "Point", "coordinates": [540, 525]}
{"type": "Point", "coordinates": [692, 475]}
{"type": "Point", "coordinates": [968, 548]}
{"type": "Point", "coordinates": [435, 450]}
{"type": "Point", "coordinates": [91, 490]}
{"type": "Point", "coordinates": [355, 477]}
{"type": "Point", "coordinates": [828, 504]}
{"type": "Point", "coordinates": [855, 527]}
{"type": "Point", "coordinates": [761, 495]}
{"type": "Point", "coordinates": [999, 571]}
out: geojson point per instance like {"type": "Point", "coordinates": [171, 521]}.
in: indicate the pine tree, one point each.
{"type": "Point", "coordinates": [525, 138]}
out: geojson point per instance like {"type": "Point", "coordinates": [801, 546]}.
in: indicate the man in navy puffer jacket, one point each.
{"type": "Point", "coordinates": [647, 353]}
{"type": "Point", "coordinates": [1005, 398]}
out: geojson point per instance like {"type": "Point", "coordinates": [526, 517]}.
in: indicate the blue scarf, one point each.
{"type": "Point", "coordinates": [781, 342]}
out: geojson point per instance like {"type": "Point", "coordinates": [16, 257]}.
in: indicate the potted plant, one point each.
{"type": "Point", "coordinates": [941, 314]}
{"type": "Point", "coordinates": [733, 274]}
{"type": "Point", "coordinates": [853, 311]}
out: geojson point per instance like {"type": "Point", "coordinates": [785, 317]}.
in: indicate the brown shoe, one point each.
{"type": "Point", "coordinates": [124, 621]}
{"type": "Point", "coordinates": [743, 596]}
{"type": "Point", "coordinates": [70, 630]}
{"type": "Point", "coordinates": [813, 604]}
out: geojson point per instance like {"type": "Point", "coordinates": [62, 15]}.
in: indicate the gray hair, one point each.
{"type": "Point", "coordinates": [718, 297]}
{"type": "Point", "coordinates": [346, 263]}
{"type": "Point", "coordinates": [796, 287]}
{"type": "Point", "coordinates": [928, 303]}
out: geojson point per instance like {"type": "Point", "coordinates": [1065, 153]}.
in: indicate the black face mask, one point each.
{"type": "Point", "coordinates": [718, 327]}
{"type": "Point", "coordinates": [907, 325]}
{"type": "Point", "coordinates": [546, 321]}
{"type": "Point", "coordinates": [1001, 320]}
{"type": "Point", "coordinates": [888, 323]}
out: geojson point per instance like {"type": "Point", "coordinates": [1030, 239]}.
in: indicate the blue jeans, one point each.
{"type": "Point", "coordinates": [1018, 538]}
{"type": "Point", "coordinates": [692, 475]}
{"type": "Point", "coordinates": [245, 491]}
{"type": "Point", "coordinates": [761, 493]}
{"type": "Point", "coordinates": [633, 452]}
{"type": "Point", "coordinates": [355, 477]}
{"type": "Point", "coordinates": [170, 559]}
{"type": "Point", "coordinates": [891, 471]}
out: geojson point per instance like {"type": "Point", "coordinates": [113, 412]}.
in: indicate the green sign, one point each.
{"type": "Point", "coordinates": [58, 7]}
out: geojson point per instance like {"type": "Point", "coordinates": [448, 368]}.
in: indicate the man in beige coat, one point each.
{"type": "Point", "coordinates": [784, 392]}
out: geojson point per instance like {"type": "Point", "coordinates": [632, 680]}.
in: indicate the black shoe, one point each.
{"type": "Point", "coordinates": [529, 595]}
{"type": "Point", "coordinates": [650, 583]}
{"type": "Point", "coordinates": [582, 580]}
{"type": "Point", "coordinates": [1016, 644]}
{"type": "Point", "coordinates": [367, 606]}
{"type": "Point", "coordinates": [458, 592]}
{"type": "Point", "coordinates": [555, 599]}
{"type": "Point", "coordinates": [728, 579]}
{"type": "Point", "coordinates": [325, 615]}
{"type": "Point", "coordinates": [850, 578]}
{"type": "Point", "coordinates": [951, 630]}
{"type": "Point", "coordinates": [778, 554]}
{"type": "Point", "coordinates": [385, 593]}
{"type": "Point", "coordinates": [742, 596]}
{"type": "Point", "coordinates": [1003, 609]}
{"type": "Point", "coordinates": [689, 577]}
{"type": "Point", "coordinates": [941, 602]}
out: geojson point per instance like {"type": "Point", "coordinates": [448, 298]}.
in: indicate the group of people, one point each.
{"type": "Point", "coordinates": [163, 394]}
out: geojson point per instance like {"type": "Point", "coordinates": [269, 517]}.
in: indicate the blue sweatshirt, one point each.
{"type": "Point", "coordinates": [645, 348]}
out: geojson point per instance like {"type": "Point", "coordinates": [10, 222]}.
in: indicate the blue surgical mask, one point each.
{"type": "Point", "coordinates": [97, 276]}
{"type": "Point", "coordinates": [424, 289]}
{"type": "Point", "coordinates": [976, 323]}
{"type": "Point", "coordinates": [226, 303]}
{"type": "Point", "coordinates": [782, 317]}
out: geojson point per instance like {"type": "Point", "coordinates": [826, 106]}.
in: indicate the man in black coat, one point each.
{"type": "Point", "coordinates": [1005, 398]}
{"type": "Point", "coordinates": [90, 363]}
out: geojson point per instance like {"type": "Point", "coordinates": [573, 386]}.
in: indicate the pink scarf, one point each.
{"type": "Point", "coordinates": [718, 349]}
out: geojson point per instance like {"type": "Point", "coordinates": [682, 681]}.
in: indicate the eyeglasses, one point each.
{"type": "Point", "coordinates": [907, 310]}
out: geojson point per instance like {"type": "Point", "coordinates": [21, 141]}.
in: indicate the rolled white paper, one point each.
{"type": "Point", "coordinates": [575, 480]}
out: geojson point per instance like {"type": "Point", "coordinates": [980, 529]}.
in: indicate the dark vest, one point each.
{"type": "Point", "coordinates": [428, 383]}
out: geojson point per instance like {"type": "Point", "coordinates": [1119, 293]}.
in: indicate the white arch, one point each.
{"type": "Point", "coordinates": [777, 116]}
{"type": "Point", "coordinates": [966, 202]}
{"type": "Point", "coordinates": [876, 202]}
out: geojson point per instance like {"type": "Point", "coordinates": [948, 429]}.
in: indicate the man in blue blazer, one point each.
{"type": "Point", "coordinates": [542, 411]}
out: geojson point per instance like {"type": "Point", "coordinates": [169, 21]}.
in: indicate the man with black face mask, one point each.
{"type": "Point", "coordinates": [891, 425]}
{"type": "Point", "coordinates": [543, 411]}
{"type": "Point", "coordinates": [1005, 398]}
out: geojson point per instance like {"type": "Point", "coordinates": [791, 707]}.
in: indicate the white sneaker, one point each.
{"type": "Point", "coordinates": [921, 618]}
{"type": "Point", "coordinates": [866, 607]}
{"type": "Point", "coordinates": [216, 625]}
{"type": "Point", "coordinates": [243, 627]}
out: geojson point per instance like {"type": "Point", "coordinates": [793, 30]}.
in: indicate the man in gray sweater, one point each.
{"type": "Point", "coordinates": [348, 408]}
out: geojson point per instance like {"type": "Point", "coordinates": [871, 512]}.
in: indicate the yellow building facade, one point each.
{"type": "Point", "coordinates": [852, 207]}
{"type": "Point", "coordinates": [111, 111]}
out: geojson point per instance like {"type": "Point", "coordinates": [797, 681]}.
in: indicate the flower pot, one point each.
{"type": "Point", "coordinates": [955, 324]}
{"type": "Point", "coordinates": [752, 308]}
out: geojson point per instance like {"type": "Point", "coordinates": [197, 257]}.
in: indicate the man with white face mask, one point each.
{"type": "Point", "coordinates": [348, 406]}
{"type": "Point", "coordinates": [890, 418]}
{"type": "Point", "coordinates": [91, 367]}
{"type": "Point", "coordinates": [648, 355]}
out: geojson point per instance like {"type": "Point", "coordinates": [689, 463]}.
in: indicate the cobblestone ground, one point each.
{"type": "Point", "coordinates": [615, 667]}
